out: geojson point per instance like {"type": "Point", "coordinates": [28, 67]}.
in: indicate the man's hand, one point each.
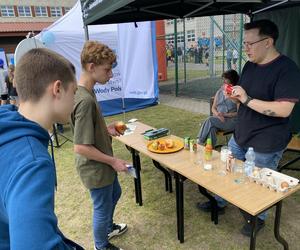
{"type": "Point", "coordinates": [226, 94]}
{"type": "Point", "coordinates": [268, 108]}
{"type": "Point", "coordinates": [112, 130]}
{"type": "Point", "coordinates": [119, 165]}
{"type": "Point", "coordinates": [239, 93]}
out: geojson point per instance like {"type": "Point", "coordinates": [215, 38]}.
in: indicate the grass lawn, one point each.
{"type": "Point", "coordinates": [153, 226]}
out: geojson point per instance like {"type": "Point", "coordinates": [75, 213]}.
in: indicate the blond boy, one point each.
{"type": "Point", "coordinates": [95, 162]}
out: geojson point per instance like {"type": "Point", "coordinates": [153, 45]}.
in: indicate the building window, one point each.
{"type": "Point", "coordinates": [24, 11]}
{"type": "Point", "coordinates": [55, 11]}
{"type": "Point", "coordinates": [40, 11]}
{"type": "Point", "coordinates": [170, 21]}
{"type": "Point", "coordinates": [7, 11]}
{"type": "Point", "coordinates": [170, 38]}
{"type": "Point", "coordinates": [191, 35]}
{"type": "Point", "coordinates": [67, 9]}
{"type": "Point", "coordinates": [180, 37]}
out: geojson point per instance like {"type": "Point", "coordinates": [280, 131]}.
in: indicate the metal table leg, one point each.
{"type": "Point", "coordinates": [137, 181]}
{"type": "Point", "coordinates": [214, 204]}
{"type": "Point", "coordinates": [179, 179]}
{"type": "Point", "coordinates": [168, 178]}
{"type": "Point", "coordinates": [276, 226]}
{"type": "Point", "coordinates": [253, 222]}
{"type": "Point", "coordinates": [177, 203]}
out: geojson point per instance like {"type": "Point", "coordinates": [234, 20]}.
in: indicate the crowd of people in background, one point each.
{"type": "Point", "coordinates": [193, 54]}
{"type": "Point", "coordinates": [199, 54]}
{"type": "Point", "coordinates": [232, 56]}
{"type": "Point", "coordinates": [8, 92]}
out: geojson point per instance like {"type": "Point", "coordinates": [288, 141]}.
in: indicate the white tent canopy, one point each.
{"type": "Point", "coordinates": [135, 76]}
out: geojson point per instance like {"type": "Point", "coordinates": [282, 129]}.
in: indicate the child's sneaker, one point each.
{"type": "Point", "coordinates": [117, 230]}
{"type": "Point", "coordinates": [108, 247]}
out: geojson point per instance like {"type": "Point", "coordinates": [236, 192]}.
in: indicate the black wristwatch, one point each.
{"type": "Point", "coordinates": [247, 101]}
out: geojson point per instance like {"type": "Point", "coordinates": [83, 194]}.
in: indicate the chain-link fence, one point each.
{"type": "Point", "coordinates": [206, 47]}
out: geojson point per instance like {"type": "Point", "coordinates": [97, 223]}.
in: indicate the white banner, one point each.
{"type": "Point", "coordinates": [133, 76]}
{"type": "Point", "coordinates": [136, 59]}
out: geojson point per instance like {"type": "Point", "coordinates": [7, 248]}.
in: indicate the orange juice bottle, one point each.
{"type": "Point", "coordinates": [208, 150]}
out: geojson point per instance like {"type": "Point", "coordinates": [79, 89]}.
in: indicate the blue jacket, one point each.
{"type": "Point", "coordinates": [27, 185]}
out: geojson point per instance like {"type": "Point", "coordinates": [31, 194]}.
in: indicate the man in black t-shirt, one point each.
{"type": "Point", "coordinates": [267, 92]}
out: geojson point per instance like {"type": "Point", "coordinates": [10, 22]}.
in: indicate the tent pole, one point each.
{"type": "Point", "coordinates": [184, 50]}
{"type": "Point", "coordinates": [86, 33]}
{"type": "Point", "coordinates": [224, 46]}
{"type": "Point", "coordinates": [123, 104]}
{"type": "Point", "coordinates": [269, 7]}
{"type": "Point", "coordinates": [211, 50]}
{"type": "Point", "coordinates": [175, 57]}
{"type": "Point", "coordinates": [241, 43]}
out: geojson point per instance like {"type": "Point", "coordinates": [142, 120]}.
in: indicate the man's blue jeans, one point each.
{"type": "Point", "coordinates": [262, 160]}
{"type": "Point", "coordinates": [104, 203]}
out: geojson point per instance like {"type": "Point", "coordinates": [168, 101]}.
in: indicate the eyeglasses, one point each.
{"type": "Point", "coordinates": [249, 45]}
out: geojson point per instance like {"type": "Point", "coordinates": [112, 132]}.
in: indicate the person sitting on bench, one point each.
{"type": "Point", "coordinates": [224, 112]}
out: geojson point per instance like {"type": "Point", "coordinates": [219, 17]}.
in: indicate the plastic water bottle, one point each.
{"type": "Point", "coordinates": [249, 163]}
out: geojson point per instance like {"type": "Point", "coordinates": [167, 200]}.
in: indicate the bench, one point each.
{"type": "Point", "coordinates": [293, 146]}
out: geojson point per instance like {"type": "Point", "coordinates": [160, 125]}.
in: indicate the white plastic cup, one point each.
{"type": "Point", "coordinates": [224, 153]}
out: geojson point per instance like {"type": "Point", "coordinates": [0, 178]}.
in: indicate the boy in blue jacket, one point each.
{"type": "Point", "coordinates": [46, 85]}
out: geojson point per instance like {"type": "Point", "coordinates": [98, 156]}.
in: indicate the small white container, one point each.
{"type": "Point", "coordinates": [224, 153]}
{"type": "Point", "coordinates": [207, 166]}
{"type": "Point", "coordinates": [274, 180]}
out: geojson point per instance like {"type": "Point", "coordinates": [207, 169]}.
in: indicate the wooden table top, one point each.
{"type": "Point", "coordinates": [136, 136]}
{"type": "Point", "coordinates": [250, 197]}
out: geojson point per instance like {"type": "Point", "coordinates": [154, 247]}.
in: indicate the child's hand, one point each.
{"type": "Point", "coordinates": [112, 130]}
{"type": "Point", "coordinates": [221, 117]}
{"type": "Point", "coordinates": [119, 165]}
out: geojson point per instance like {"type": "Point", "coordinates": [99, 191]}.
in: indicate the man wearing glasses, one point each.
{"type": "Point", "coordinates": [268, 90]}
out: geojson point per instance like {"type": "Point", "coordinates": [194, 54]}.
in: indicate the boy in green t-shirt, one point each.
{"type": "Point", "coordinates": [94, 158]}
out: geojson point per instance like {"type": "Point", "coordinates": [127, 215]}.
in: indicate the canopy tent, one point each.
{"type": "Point", "coordinates": [120, 11]}
{"type": "Point", "coordinates": [134, 84]}
{"type": "Point", "coordinates": [282, 12]}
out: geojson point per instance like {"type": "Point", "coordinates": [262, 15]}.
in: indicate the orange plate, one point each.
{"type": "Point", "coordinates": [178, 145]}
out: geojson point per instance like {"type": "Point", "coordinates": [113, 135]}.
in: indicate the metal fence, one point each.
{"type": "Point", "coordinates": [199, 50]}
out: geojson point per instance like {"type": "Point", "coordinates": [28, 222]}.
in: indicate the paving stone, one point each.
{"type": "Point", "coordinates": [189, 104]}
